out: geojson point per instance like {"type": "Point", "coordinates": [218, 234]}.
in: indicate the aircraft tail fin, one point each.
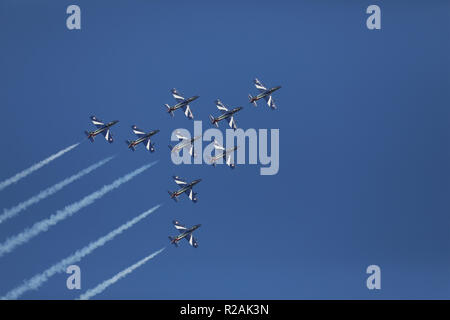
{"type": "Point", "coordinates": [169, 110]}
{"type": "Point", "coordinates": [192, 152]}
{"type": "Point", "coordinates": [128, 142]}
{"type": "Point", "coordinates": [90, 137]}
{"type": "Point", "coordinates": [210, 161]}
{"type": "Point", "coordinates": [172, 241]}
{"type": "Point", "coordinates": [213, 121]}
{"type": "Point", "coordinates": [172, 196]}
{"type": "Point", "coordinates": [252, 100]}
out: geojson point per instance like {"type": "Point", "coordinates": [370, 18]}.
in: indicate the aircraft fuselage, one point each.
{"type": "Point", "coordinates": [105, 127]}
{"type": "Point", "coordinates": [265, 93]}
{"type": "Point", "coordinates": [228, 114]}
{"type": "Point", "coordinates": [224, 154]}
{"type": "Point", "coordinates": [142, 139]}
{"type": "Point", "coordinates": [185, 188]}
{"type": "Point", "coordinates": [186, 233]}
{"type": "Point", "coordinates": [183, 103]}
{"type": "Point", "coordinates": [185, 143]}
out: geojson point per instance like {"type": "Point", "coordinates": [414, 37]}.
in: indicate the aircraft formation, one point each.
{"type": "Point", "coordinates": [144, 138]}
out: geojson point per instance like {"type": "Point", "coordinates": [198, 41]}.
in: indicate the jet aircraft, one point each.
{"type": "Point", "coordinates": [184, 142]}
{"type": "Point", "coordinates": [226, 114]}
{"type": "Point", "coordinates": [225, 154]}
{"type": "Point", "coordinates": [142, 138]}
{"type": "Point", "coordinates": [264, 93]}
{"type": "Point", "coordinates": [101, 128]}
{"type": "Point", "coordinates": [186, 187]}
{"type": "Point", "coordinates": [181, 103]}
{"type": "Point", "coordinates": [185, 233]}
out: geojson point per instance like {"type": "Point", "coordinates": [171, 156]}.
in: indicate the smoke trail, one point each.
{"type": "Point", "coordinates": [35, 167]}
{"type": "Point", "coordinates": [43, 225]}
{"type": "Point", "coordinates": [105, 284]}
{"type": "Point", "coordinates": [9, 213]}
{"type": "Point", "coordinates": [37, 280]}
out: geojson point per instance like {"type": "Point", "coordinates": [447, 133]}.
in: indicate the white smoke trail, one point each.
{"type": "Point", "coordinates": [35, 167]}
{"type": "Point", "coordinates": [105, 284]}
{"type": "Point", "coordinates": [9, 213]}
{"type": "Point", "coordinates": [11, 243]}
{"type": "Point", "coordinates": [37, 280]}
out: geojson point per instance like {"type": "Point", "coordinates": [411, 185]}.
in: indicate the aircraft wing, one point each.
{"type": "Point", "coordinates": [217, 145]}
{"type": "Point", "coordinates": [259, 86]}
{"type": "Point", "coordinates": [177, 95]}
{"type": "Point", "coordinates": [192, 240]}
{"type": "Point", "coordinates": [97, 122]}
{"type": "Point", "coordinates": [180, 136]}
{"type": "Point", "coordinates": [191, 194]}
{"type": "Point", "coordinates": [232, 123]}
{"type": "Point", "coordinates": [270, 102]}
{"type": "Point", "coordinates": [108, 136]}
{"type": "Point", "coordinates": [148, 145]}
{"type": "Point", "coordinates": [180, 181]}
{"type": "Point", "coordinates": [137, 131]}
{"type": "Point", "coordinates": [188, 112]}
{"type": "Point", "coordinates": [221, 106]}
{"type": "Point", "coordinates": [179, 226]}
{"type": "Point", "coordinates": [229, 163]}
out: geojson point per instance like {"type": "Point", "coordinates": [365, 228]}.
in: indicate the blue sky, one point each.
{"type": "Point", "coordinates": [364, 146]}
